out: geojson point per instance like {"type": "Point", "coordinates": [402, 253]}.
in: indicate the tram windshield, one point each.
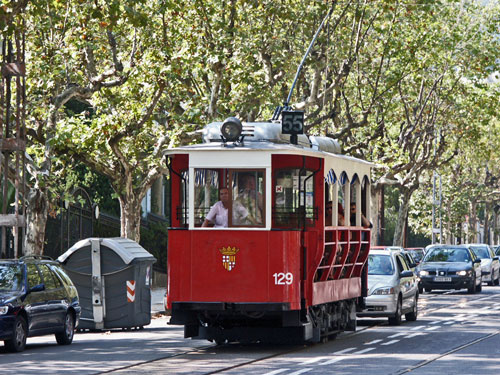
{"type": "Point", "coordinates": [229, 198]}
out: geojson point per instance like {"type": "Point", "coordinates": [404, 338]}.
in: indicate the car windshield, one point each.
{"type": "Point", "coordinates": [417, 254]}
{"type": "Point", "coordinates": [380, 265]}
{"type": "Point", "coordinates": [11, 277]}
{"type": "Point", "coordinates": [481, 252]}
{"type": "Point", "coordinates": [447, 255]}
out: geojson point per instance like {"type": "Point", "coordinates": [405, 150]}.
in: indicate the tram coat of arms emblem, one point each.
{"type": "Point", "coordinates": [229, 257]}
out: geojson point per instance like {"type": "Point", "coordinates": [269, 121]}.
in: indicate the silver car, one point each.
{"type": "Point", "coordinates": [392, 287]}
{"type": "Point", "coordinates": [490, 266]}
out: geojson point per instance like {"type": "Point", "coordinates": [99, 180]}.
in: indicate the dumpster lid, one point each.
{"type": "Point", "coordinates": [125, 248]}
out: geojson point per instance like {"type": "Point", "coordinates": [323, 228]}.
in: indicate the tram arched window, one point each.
{"type": "Point", "coordinates": [294, 194]}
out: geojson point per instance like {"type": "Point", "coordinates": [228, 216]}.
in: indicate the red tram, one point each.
{"type": "Point", "coordinates": [278, 267]}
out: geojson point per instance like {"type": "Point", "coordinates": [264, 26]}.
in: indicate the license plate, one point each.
{"type": "Point", "coordinates": [445, 279]}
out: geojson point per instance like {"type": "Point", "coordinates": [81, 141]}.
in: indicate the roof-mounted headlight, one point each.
{"type": "Point", "coordinates": [231, 129]}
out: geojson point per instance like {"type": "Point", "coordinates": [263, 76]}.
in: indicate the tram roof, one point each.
{"type": "Point", "coordinates": [267, 148]}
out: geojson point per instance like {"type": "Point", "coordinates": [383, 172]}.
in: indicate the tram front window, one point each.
{"type": "Point", "coordinates": [247, 195]}
{"type": "Point", "coordinates": [229, 198]}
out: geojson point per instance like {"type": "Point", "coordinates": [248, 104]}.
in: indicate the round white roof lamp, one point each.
{"type": "Point", "coordinates": [231, 129]}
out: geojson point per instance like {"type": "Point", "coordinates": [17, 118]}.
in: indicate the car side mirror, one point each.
{"type": "Point", "coordinates": [495, 258]}
{"type": "Point", "coordinates": [406, 274]}
{"type": "Point", "coordinates": [477, 261]}
{"type": "Point", "coordinates": [37, 288]}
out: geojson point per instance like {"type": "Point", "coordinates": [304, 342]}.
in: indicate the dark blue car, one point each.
{"type": "Point", "coordinates": [36, 298]}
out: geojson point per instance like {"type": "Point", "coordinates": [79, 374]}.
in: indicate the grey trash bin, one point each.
{"type": "Point", "coordinates": [113, 279]}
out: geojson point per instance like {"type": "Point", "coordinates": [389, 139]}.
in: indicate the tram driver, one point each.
{"type": "Point", "coordinates": [218, 214]}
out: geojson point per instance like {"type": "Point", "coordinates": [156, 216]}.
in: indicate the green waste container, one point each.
{"type": "Point", "coordinates": [113, 278]}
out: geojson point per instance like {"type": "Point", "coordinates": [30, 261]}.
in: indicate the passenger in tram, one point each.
{"type": "Point", "coordinates": [218, 215]}
{"type": "Point", "coordinates": [341, 219]}
{"type": "Point", "coordinates": [329, 215]}
{"type": "Point", "coordinates": [251, 200]}
{"type": "Point", "coordinates": [365, 223]}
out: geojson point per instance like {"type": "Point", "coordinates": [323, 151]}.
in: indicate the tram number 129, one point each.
{"type": "Point", "coordinates": [282, 278]}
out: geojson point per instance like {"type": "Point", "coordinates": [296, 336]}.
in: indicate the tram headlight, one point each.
{"type": "Point", "coordinates": [231, 129]}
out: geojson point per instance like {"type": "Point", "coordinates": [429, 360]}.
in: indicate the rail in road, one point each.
{"type": "Point", "coordinates": [455, 333]}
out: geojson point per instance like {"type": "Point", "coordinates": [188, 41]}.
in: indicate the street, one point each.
{"type": "Point", "coordinates": [455, 333]}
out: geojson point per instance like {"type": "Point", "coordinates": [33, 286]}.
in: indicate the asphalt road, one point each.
{"type": "Point", "coordinates": [456, 333]}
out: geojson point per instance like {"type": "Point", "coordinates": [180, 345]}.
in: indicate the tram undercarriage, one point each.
{"type": "Point", "coordinates": [264, 323]}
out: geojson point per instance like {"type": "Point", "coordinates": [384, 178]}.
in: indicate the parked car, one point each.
{"type": "Point", "coordinates": [497, 251]}
{"type": "Point", "coordinates": [36, 298]}
{"type": "Point", "coordinates": [450, 267]}
{"type": "Point", "coordinates": [416, 252]}
{"type": "Point", "coordinates": [490, 266]}
{"type": "Point", "coordinates": [392, 287]}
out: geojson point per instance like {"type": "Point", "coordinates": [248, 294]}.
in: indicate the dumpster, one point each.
{"type": "Point", "coordinates": [113, 279]}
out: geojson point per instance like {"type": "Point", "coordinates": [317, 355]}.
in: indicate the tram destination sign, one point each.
{"type": "Point", "coordinates": [292, 122]}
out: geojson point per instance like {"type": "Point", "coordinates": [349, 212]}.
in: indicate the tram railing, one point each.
{"type": "Point", "coordinates": [345, 253]}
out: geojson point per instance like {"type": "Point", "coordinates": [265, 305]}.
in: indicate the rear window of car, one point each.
{"type": "Point", "coordinates": [11, 277]}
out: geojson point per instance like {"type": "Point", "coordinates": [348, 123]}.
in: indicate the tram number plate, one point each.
{"type": "Point", "coordinates": [442, 279]}
{"type": "Point", "coordinates": [292, 122]}
{"type": "Point", "coordinates": [282, 278]}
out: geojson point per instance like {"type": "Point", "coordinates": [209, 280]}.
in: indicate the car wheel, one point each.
{"type": "Point", "coordinates": [18, 341]}
{"type": "Point", "coordinates": [479, 287]}
{"type": "Point", "coordinates": [66, 336]}
{"type": "Point", "coordinates": [490, 283]}
{"type": "Point", "coordinates": [412, 316]}
{"type": "Point", "coordinates": [420, 289]}
{"type": "Point", "coordinates": [396, 319]}
{"type": "Point", "coordinates": [497, 280]}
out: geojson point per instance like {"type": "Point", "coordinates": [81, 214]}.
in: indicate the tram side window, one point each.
{"type": "Point", "coordinates": [182, 211]}
{"type": "Point", "coordinates": [291, 199]}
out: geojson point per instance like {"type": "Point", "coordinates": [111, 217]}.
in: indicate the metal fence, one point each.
{"type": "Point", "coordinates": [75, 221]}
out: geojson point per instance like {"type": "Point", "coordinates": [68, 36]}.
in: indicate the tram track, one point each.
{"type": "Point", "coordinates": [454, 350]}
{"type": "Point", "coordinates": [206, 348]}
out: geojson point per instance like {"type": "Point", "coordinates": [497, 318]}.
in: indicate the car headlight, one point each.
{"type": "Point", "coordinates": [424, 273]}
{"type": "Point", "coordinates": [383, 291]}
{"type": "Point", "coordinates": [4, 310]}
{"type": "Point", "coordinates": [462, 273]}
